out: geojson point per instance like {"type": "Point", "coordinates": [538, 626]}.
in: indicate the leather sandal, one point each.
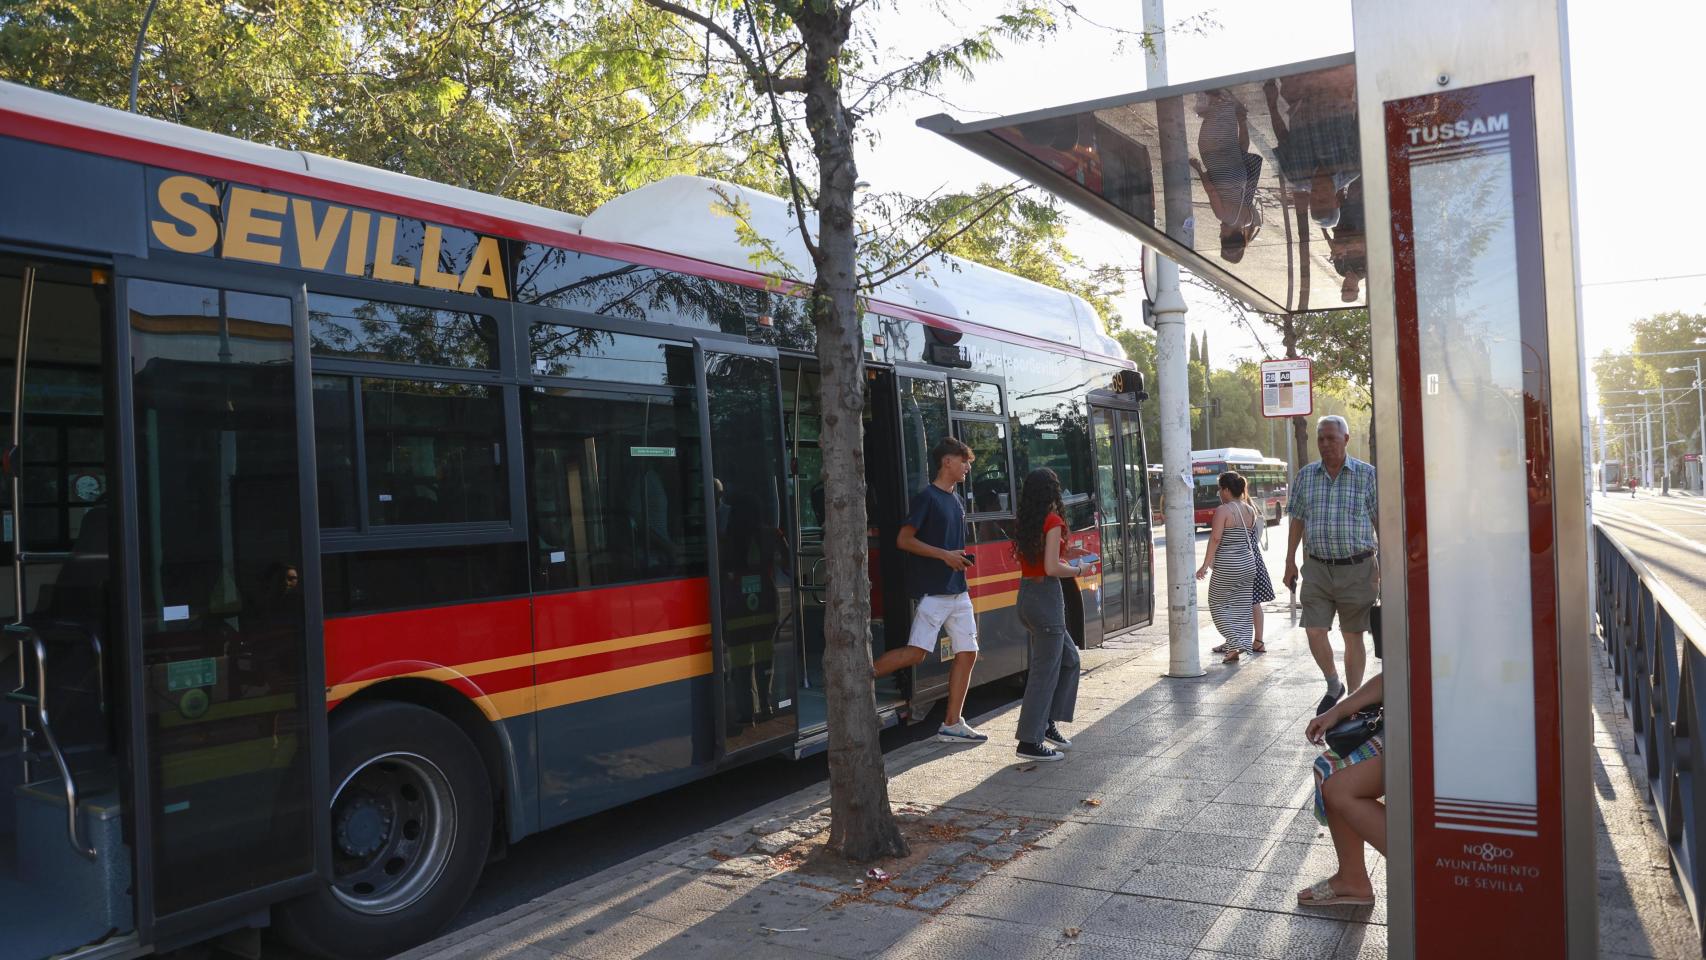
{"type": "Point", "coordinates": [1322, 894]}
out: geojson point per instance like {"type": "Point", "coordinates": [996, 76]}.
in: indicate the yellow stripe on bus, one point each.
{"type": "Point", "coordinates": [477, 668]}
{"type": "Point", "coordinates": [561, 693]}
{"type": "Point", "coordinates": [993, 578]}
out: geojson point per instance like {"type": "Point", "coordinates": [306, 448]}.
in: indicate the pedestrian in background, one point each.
{"type": "Point", "coordinates": [1233, 557]}
{"type": "Point", "coordinates": [1051, 685]}
{"type": "Point", "coordinates": [1333, 513]}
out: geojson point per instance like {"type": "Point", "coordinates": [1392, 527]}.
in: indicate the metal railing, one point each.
{"type": "Point", "coordinates": [1657, 647]}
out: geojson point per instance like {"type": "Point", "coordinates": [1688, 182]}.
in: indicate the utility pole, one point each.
{"type": "Point", "coordinates": [1600, 420]}
{"type": "Point", "coordinates": [1664, 438]}
{"type": "Point", "coordinates": [1647, 441]}
{"type": "Point", "coordinates": [1172, 370]}
{"type": "Point", "coordinates": [1700, 445]}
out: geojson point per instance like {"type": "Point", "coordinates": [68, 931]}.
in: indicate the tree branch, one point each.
{"type": "Point", "coordinates": [936, 247]}
{"type": "Point", "coordinates": [771, 84]}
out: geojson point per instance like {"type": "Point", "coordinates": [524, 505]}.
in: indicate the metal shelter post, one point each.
{"type": "Point", "coordinates": [1465, 123]}
{"type": "Point", "coordinates": [1172, 370]}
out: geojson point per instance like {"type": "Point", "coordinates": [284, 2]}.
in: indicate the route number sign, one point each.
{"type": "Point", "coordinates": [1286, 389]}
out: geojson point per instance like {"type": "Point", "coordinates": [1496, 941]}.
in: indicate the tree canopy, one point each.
{"type": "Point", "coordinates": [560, 106]}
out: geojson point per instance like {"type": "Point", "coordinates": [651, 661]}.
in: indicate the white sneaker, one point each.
{"type": "Point", "coordinates": [961, 732]}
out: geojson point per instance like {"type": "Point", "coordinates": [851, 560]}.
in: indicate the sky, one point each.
{"type": "Point", "coordinates": [1639, 205]}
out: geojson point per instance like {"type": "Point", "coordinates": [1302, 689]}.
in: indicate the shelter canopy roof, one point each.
{"type": "Point", "coordinates": [1252, 181]}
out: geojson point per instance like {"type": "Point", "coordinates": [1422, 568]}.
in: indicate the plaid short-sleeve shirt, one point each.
{"type": "Point", "coordinates": [1338, 514]}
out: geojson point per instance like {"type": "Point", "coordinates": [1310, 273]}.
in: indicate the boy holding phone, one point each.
{"type": "Point", "coordinates": [934, 538]}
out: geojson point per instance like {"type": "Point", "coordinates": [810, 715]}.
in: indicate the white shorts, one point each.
{"type": "Point", "coordinates": [954, 612]}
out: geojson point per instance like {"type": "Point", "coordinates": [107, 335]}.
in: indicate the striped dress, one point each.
{"type": "Point", "coordinates": [1233, 584]}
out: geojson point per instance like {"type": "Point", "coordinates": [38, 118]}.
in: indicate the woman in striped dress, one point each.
{"type": "Point", "coordinates": [1233, 558]}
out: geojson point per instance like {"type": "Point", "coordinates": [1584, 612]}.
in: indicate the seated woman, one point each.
{"type": "Point", "coordinates": [1348, 793]}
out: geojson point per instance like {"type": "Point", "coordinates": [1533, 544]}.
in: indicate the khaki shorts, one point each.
{"type": "Point", "coordinates": [1347, 590]}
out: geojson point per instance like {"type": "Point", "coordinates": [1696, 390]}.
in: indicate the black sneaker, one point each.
{"type": "Point", "coordinates": [1039, 752]}
{"type": "Point", "coordinates": [1335, 690]}
{"type": "Point", "coordinates": [1056, 739]}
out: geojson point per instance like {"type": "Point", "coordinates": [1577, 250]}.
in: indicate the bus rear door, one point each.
{"type": "Point", "coordinates": [751, 564]}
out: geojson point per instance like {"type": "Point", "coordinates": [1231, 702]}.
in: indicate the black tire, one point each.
{"type": "Point", "coordinates": [411, 827]}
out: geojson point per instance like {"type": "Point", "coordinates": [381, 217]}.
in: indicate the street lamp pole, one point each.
{"type": "Point", "coordinates": [1647, 441]}
{"type": "Point", "coordinates": [1664, 438]}
{"type": "Point", "coordinates": [1700, 440]}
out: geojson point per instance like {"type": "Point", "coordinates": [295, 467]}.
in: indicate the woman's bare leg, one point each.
{"type": "Point", "coordinates": [1355, 815]}
{"type": "Point", "coordinates": [1361, 805]}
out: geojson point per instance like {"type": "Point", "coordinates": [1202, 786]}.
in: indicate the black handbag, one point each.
{"type": "Point", "coordinates": [1355, 730]}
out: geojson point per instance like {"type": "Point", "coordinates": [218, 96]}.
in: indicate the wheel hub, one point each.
{"type": "Point", "coordinates": [363, 826]}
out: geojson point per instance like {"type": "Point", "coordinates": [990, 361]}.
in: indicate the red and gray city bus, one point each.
{"type": "Point", "coordinates": [359, 526]}
{"type": "Point", "coordinates": [1267, 478]}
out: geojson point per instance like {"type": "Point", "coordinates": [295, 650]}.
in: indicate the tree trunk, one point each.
{"type": "Point", "coordinates": [862, 826]}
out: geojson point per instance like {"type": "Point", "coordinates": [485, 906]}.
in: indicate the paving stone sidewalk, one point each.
{"type": "Point", "coordinates": [1178, 829]}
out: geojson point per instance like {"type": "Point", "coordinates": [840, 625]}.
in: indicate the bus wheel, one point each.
{"type": "Point", "coordinates": [411, 824]}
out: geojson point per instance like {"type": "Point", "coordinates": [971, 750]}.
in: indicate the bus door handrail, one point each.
{"type": "Point", "coordinates": [25, 633]}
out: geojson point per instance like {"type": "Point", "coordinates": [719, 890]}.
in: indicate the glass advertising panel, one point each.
{"type": "Point", "coordinates": [1259, 179]}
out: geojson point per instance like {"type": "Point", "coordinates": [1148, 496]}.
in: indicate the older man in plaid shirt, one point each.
{"type": "Point", "coordinates": [1333, 513]}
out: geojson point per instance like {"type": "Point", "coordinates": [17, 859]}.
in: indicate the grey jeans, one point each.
{"type": "Point", "coordinates": [1051, 687]}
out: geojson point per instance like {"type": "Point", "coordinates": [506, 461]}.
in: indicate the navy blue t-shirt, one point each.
{"type": "Point", "coordinates": [939, 519]}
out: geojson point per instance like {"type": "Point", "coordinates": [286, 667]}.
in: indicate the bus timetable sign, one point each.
{"type": "Point", "coordinates": [1286, 390]}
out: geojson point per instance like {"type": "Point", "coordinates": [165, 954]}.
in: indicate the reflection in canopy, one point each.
{"type": "Point", "coordinates": [1252, 181]}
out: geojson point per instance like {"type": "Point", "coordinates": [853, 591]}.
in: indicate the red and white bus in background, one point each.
{"type": "Point", "coordinates": [1268, 479]}
{"type": "Point", "coordinates": [360, 525]}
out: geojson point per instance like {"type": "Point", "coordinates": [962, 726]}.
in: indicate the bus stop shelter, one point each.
{"type": "Point", "coordinates": [1427, 177]}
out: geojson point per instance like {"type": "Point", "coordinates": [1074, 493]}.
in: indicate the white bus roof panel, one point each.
{"type": "Point", "coordinates": [689, 216]}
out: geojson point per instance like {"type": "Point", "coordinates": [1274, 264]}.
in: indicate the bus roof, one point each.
{"type": "Point", "coordinates": [690, 216]}
{"type": "Point", "coordinates": [678, 216]}
{"type": "Point", "coordinates": [89, 116]}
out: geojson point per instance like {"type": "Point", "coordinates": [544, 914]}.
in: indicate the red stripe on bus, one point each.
{"type": "Point", "coordinates": [386, 644]}
{"type": "Point", "coordinates": [58, 133]}
{"type": "Point", "coordinates": [591, 616]}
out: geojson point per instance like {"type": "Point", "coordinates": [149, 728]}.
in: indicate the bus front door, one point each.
{"type": "Point", "coordinates": [751, 564]}
{"type": "Point", "coordinates": [65, 855]}
{"type": "Point", "coordinates": [1122, 505]}
{"type": "Point", "coordinates": [225, 680]}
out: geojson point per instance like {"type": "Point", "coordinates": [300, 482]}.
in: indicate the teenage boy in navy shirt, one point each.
{"type": "Point", "coordinates": [934, 536]}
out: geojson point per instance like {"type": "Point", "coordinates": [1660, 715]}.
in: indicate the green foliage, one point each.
{"type": "Point", "coordinates": [1340, 350]}
{"type": "Point", "coordinates": [1619, 376]}
{"type": "Point", "coordinates": [564, 108]}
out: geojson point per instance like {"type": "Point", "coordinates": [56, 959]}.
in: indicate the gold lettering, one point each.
{"type": "Point", "coordinates": [385, 265]}
{"type": "Point", "coordinates": [355, 258]}
{"type": "Point", "coordinates": [431, 275]}
{"type": "Point", "coordinates": [314, 247]}
{"type": "Point", "coordinates": [243, 225]}
{"type": "Point", "coordinates": [175, 195]}
{"type": "Point", "coordinates": [486, 270]}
